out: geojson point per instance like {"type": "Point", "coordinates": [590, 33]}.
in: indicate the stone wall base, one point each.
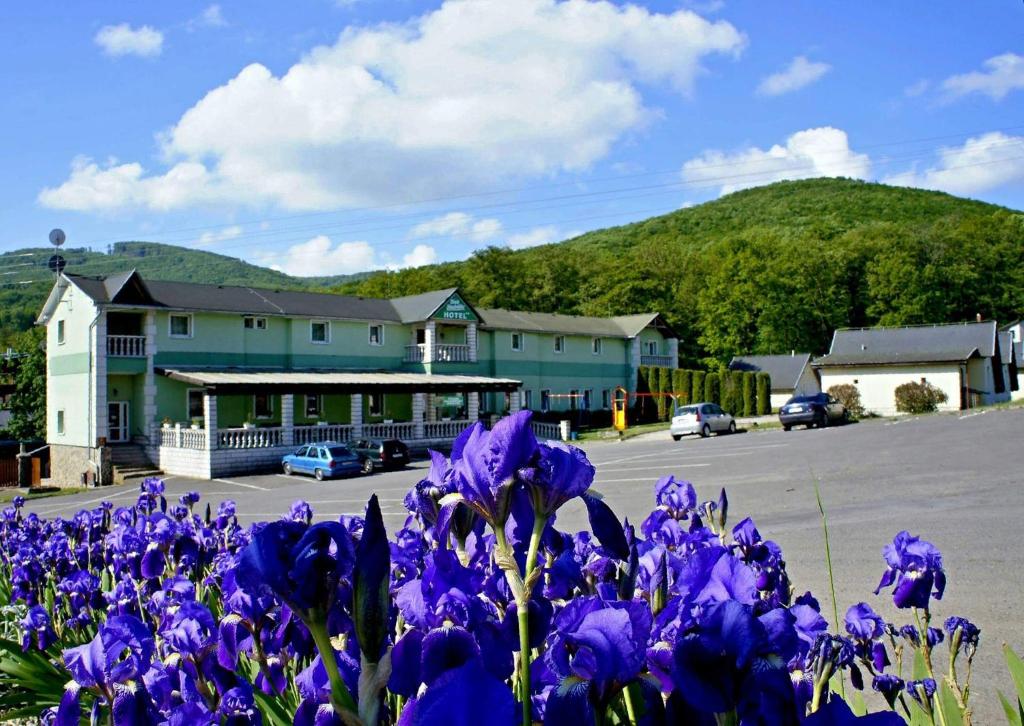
{"type": "Point", "coordinates": [68, 464]}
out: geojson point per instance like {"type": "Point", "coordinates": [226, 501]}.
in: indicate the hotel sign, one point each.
{"type": "Point", "coordinates": [455, 309]}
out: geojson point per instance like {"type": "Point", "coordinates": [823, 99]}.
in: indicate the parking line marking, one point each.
{"type": "Point", "coordinates": [240, 484]}
{"type": "Point", "coordinates": [643, 478]}
{"type": "Point", "coordinates": [732, 452]}
{"type": "Point", "coordinates": [684, 465]}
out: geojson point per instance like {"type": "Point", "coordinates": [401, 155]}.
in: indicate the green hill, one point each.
{"type": "Point", "coordinates": [765, 270]}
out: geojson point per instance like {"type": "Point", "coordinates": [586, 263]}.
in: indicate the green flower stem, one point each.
{"type": "Point", "coordinates": [523, 614]}
{"type": "Point", "coordinates": [627, 697]}
{"type": "Point", "coordinates": [341, 699]}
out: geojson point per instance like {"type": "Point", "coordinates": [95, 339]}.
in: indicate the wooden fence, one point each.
{"type": "Point", "coordinates": [9, 472]}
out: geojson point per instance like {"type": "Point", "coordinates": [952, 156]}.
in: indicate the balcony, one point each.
{"type": "Point", "coordinates": [443, 353]}
{"type": "Point", "coordinates": [126, 346]}
{"type": "Point", "coordinates": [663, 361]}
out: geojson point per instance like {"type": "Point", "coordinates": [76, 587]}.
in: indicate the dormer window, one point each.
{"type": "Point", "coordinates": [559, 343]}
{"type": "Point", "coordinates": [595, 346]}
{"type": "Point", "coordinates": [376, 335]}
{"type": "Point", "coordinates": [517, 342]}
{"type": "Point", "coordinates": [250, 323]}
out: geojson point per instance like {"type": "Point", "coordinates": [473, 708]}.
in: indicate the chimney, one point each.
{"type": "Point", "coordinates": [978, 317]}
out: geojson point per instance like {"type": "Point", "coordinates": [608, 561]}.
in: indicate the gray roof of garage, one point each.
{"type": "Point", "coordinates": [916, 344]}
{"type": "Point", "coordinates": [784, 370]}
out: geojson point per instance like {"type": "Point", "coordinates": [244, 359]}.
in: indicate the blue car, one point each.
{"type": "Point", "coordinates": [323, 461]}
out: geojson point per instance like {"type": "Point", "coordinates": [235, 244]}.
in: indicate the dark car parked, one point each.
{"type": "Point", "coordinates": [381, 454]}
{"type": "Point", "coordinates": [817, 409]}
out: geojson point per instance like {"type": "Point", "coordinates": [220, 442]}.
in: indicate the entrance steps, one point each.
{"type": "Point", "coordinates": [131, 462]}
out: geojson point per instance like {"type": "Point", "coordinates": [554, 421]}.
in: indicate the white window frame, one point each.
{"type": "Point", "coordinates": [559, 344]}
{"type": "Point", "coordinates": [170, 326]}
{"type": "Point", "coordinates": [369, 404]}
{"type": "Point", "coordinates": [60, 332]}
{"type": "Point", "coordinates": [202, 403]}
{"type": "Point", "coordinates": [596, 346]}
{"type": "Point", "coordinates": [250, 322]}
{"type": "Point", "coordinates": [60, 422]}
{"type": "Point", "coordinates": [513, 336]}
{"type": "Point", "coordinates": [318, 405]}
{"type": "Point", "coordinates": [545, 400]}
{"type": "Point", "coordinates": [652, 347]}
{"type": "Point", "coordinates": [369, 334]}
{"type": "Point", "coordinates": [528, 399]}
{"type": "Point", "coordinates": [327, 326]}
{"type": "Point", "coordinates": [270, 406]}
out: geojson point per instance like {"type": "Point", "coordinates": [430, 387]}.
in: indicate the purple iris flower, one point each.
{"type": "Point", "coordinates": [36, 626]}
{"type": "Point", "coordinates": [485, 472]}
{"type": "Point", "coordinates": [837, 713]}
{"type": "Point", "coordinates": [889, 686]}
{"type": "Point", "coordinates": [461, 697]}
{"type": "Point", "coordinates": [301, 512]}
{"type": "Point", "coordinates": [560, 473]}
{"type": "Point", "coordinates": [915, 566]}
{"type": "Point", "coordinates": [962, 634]}
{"type": "Point", "coordinates": [864, 623]}
{"type": "Point", "coordinates": [922, 691]}
{"type": "Point", "coordinates": [676, 496]}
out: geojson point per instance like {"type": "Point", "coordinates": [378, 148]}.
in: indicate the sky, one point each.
{"type": "Point", "coordinates": [323, 137]}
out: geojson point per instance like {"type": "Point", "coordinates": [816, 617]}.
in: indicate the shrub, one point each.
{"type": "Point", "coordinates": [732, 392]}
{"type": "Point", "coordinates": [697, 386]}
{"type": "Point", "coordinates": [919, 397]}
{"type": "Point", "coordinates": [749, 394]}
{"type": "Point", "coordinates": [848, 395]}
{"type": "Point", "coordinates": [713, 388]}
{"type": "Point", "coordinates": [681, 385]}
{"type": "Point", "coordinates": [664, 387]}
{"type": "Point", "coordinates": [764, 394]}
{"type": "Point", "coordinates": [643, 385]}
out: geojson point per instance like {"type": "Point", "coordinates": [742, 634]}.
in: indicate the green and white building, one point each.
{"type": "Point", "coordinates": [211, 380]}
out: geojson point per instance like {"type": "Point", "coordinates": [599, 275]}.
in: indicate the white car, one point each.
{"type": "Point", "coordinates": [701, 418]}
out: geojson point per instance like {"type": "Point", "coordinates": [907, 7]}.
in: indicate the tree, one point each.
{"type": "Point", "coordinates": [749, 394]}
{"type": "Point", "coordinates": [664, 388]}
{"type": "Point", "coordinates": [28, 403]}
{"type": "Point", "coordinates": [697, 387]}
{"type": "Point", "coordinates": [764, 394]}
{"type": "Point", "coordinates": [712, 388]}
{"type": "Point", "coordinates": [681, 382]}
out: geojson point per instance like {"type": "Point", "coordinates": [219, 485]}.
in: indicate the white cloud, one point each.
{"type": "Point", "coordinates": [799, 73]}
{"type": "Point", "coordinates": [212, 17]}
{"type": "Point", "coordinates": [536, 236]}
{"type": "Point", "coordinates": [981, 163]}
{"type": "Point", "coordinates": [419, 256]}
{"type": "Point", "coordinates": [456, 100]}
{"type": "Point", "coordinates": [320, 256]}
{"type": "Point", "coordinates": [123, 39]}
{"type": "Point", "coordinates": [823, 151]}
{"type": "Point", "coordinates": [459, 224]}
{"type": "Point", "coordinates": [917, 89]}
{"type": "Point", "coordinates": [209, 239]}
{"type": "Point", "coordinates": [1002, 74]}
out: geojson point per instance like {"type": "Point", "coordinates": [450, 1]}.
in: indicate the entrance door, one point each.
{"type": "Point", "coordinates": [117, 421]}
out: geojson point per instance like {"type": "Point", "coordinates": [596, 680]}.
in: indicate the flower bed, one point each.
{"type": "Point", "coordinates": [479, 610]}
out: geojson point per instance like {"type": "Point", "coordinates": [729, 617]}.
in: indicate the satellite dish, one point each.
{"type": "Point", "coordinates": [57, 264]}
{"type": "Point", "coordinates": [57, 237]}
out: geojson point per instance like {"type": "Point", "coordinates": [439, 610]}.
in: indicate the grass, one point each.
{"type": "Point", "coordinates": [6, 495]}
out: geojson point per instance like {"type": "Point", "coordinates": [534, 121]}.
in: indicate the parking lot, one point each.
{"type": "Point", "coordinates": [953, 479]}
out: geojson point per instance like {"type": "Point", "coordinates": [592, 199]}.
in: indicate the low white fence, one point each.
{"type": "Point", "coordinates": [546, 431]}
{"type": "Point", "coordinates": [180, 437]}
{"type": "Point", "coordinates": [258, 438]}
{"type": "Point", "coordinates": [321, 433]}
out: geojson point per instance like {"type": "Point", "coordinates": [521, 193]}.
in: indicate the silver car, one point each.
{"type": "Point", "coordinates": [701, 418]}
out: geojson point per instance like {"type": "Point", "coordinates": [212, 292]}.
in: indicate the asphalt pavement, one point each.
{"type": "Point", "coordinates": [954, 479]}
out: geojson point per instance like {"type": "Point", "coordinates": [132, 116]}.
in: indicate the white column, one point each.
{"type": "Point", "coordinates": [673, 351]}
{"type": "Point", "coordinates": [429, 340]}
{"type": "Point", "coordinates": [99, 378]}
{"type": "Point", "coordinates": [634, 364]}
{"type": "Point", "coordinates": [357, 414]}
{"type": "Point", "coordinates": [513, 402]}
{"type": "Point", "coordinates": [210, 419]}
{"type": "Point", "coordinates": [431, 407]}
{"type": "Point", "coordinates": [288, 419]}
{"type": "Point", "coordinates": [149, 383]}
{"type": "Point", "coordinates": [471, 341]}
{"type": "Point", "coordinates": [419, 405]}
{"type": "Point", "coordinates": [472, 406]}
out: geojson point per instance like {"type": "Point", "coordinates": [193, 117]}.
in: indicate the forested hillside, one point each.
{"type": "Point", "coordinates": [766, 270]}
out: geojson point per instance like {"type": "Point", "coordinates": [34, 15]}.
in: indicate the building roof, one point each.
{"type": "Point", "coordinates": [233, 380]}
{"type": "Point", "coordinates": [914, 344]}
{"type": "Point", "coordinates": [128, 288]}
{"type": "Point", "coordinates": [1006, 347]}
{"type": "Point", "coordinates": [784, 370]}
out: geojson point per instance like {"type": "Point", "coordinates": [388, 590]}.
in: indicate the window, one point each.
{"type": "Point", "coordinates": [320, 332]}
{"type": "Point", "coordinates": [60, 421]}
{"type": "Point", "coordinates": [651, 347]}
{"type": "Point", "coordinates": [262, 405]}
{"type": "Point", "coordinates": [595, 346]}
{"type": "Point", "coordinates": [588, 396]}
{"type": "Point", "coordinates": [528, 399]}
{"type": "Point", "coordinates": [60, 332]}
{"type": "Point", "coordinates": [517, 341]}
{"type": "Point", "coordinates": [254, 323]}
{"type": "Point", "coordinates": [302, 451]}
{"type": "Point", "coordinates": [574, 395]}
{"type": "Point", "coordinates": [376, 404]}
{"type": "Point", "coordinates": [376, 335]}
{"type": "Point", "coordinates": [314, 405]}
{"type": "Point", "coordinates": [559, 343]}
{"type": "Point", "coordinates": [545, 400]}
{"type": "Point", "coordinates": [194, 403]}
{"type": "Point", "coordinates": [605, 398]}
{"type": "Point", "coordinates": [180, 326]}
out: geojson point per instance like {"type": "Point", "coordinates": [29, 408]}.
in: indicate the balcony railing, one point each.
{"type": "Point", "coordinates": [126, 346]}
{"type": "Point", "coordinates": [443, 353]}
{"type": "Point", "coordinates": [180, 437]}
{"type": "Point", "coordinates": [261, 438]}
{"type": "Point", "coordinates": [321, 433]}
{"type": "Point", "coordinates": [546, 431]}
{"type": "Point", "coordinates": [444, 429]}
{"type": "Point", "coordinates": [664, 361]}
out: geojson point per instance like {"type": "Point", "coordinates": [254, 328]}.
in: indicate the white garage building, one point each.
{"type": "Point", "coordinates": [964, 360]}
{"type": "Point", "coordinates": [790, 374]}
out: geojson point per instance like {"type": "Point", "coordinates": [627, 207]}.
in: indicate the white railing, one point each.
{"type": "Point", "coordinates": [319, 434]}
{"type": "Point", "coordinates": [546, 431]}
{"type": "Point", "coordinates": [444, 429]}
{"type": "Point", "coordinates": [126, 346]}
{"type": "Point", "coordinates": [443, 353]}
{"type": "Point", "coordinates": [180, 437]}
{"type": "Point", "coordinates": [405, 430]}
{"type": "Point", "coordinates": [665, 361]}
{"type": "Point", "coordinates": [259, 438]}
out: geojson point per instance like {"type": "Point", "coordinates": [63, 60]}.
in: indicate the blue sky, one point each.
{"type": "Point", "coordinates": [327, 136]}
